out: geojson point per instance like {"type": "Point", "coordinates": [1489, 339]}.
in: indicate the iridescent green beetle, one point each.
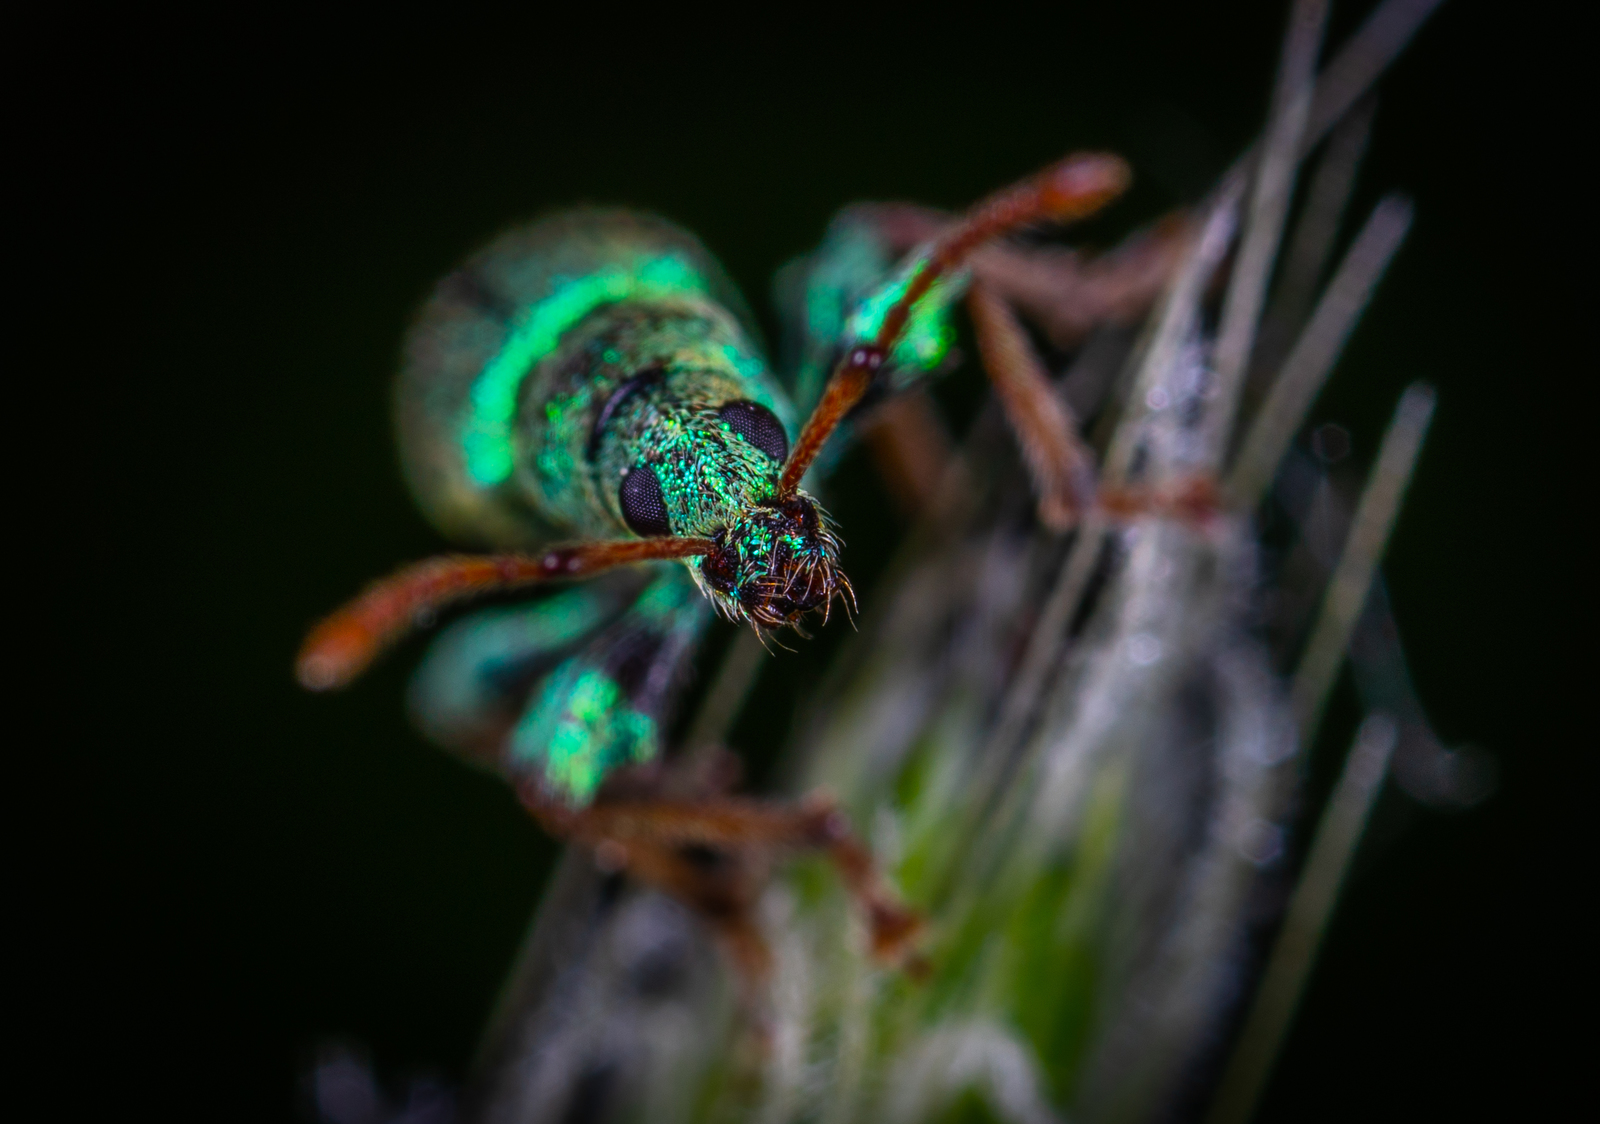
{"type": "Point", "coordinates": [594, 379]}
{"type": "Point", "coordinates": [596, 374]}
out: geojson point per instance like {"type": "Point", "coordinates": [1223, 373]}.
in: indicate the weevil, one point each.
{"type": "Point", "coordinates": [586, 397]}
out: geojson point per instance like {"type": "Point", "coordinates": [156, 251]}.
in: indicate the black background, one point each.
{"type": "Point", "coordinates": [239, 219]}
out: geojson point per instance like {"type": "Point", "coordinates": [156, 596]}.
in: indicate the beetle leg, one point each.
{"type": "Point", "coordinates": [721, 885]}
{"type": "Point", "coordinates": [1064, 293]}
{"type": "Point", "coordinates": [1060, 463]}
{"type": "Point", "coordinates": [910, 447]}
{"type": "Point", "coordinates": [346, 642]}
{"type": "Point", "coordinates": [1067, 190]}
{"type": "Point", "coordinates": [708, 852]}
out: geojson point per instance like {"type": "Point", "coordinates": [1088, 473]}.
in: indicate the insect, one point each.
{"type": "Point", "coordinates": [586, 398]}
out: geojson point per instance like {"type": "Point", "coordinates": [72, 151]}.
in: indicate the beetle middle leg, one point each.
{"type": "Point", "coordinates": [1058, 460]}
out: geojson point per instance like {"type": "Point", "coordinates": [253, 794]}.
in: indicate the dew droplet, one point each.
{"type": "Point", "coordinates": [1143, 649]}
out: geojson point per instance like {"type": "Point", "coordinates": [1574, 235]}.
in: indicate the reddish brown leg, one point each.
{"type": "Point", "coordinates": [341, 647]}
{"type": "Point", "coordinates": [891, 924]}
{"type": "Point", "coordinates": [709, 853]}
{"type": "Point", "coordinates": [1191, 499]}
{"type": "Point", "coordinates": [1067, 296]}
{"type": "Point", "coordinates": [1070, 189]}
{"type": "Point", "coordinates": [721, 888]}
{"type": "Point", "coordinates": [910, 447]}
{"type": "Point", "coordinates": [1061, 465]}
{"type": "Point", "coordinates": [1064, 293]}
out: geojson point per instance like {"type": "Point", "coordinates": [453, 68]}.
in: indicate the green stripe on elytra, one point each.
{"type": "Point", "coordinates": [492, 404]}
{"type": "Point", "coordinates": [928, 333]}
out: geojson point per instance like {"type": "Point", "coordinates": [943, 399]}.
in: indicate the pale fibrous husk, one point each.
{"type": "Point", "coordinates": [1077, 754]}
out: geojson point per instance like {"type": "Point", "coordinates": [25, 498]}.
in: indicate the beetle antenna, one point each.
{"type": "Point", "coordinates": [345, 643]}
{"type": "Point", "coordinates": [1067, 190]}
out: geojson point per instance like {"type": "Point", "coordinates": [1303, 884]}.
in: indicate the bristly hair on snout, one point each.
{"type": "Point", "coordinates": [778, 561]}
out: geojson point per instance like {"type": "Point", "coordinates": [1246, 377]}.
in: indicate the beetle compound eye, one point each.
{"type": "Point", "coordinates": [644, 508]}
{"type": "Point", "coordinates": [759, 426]}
